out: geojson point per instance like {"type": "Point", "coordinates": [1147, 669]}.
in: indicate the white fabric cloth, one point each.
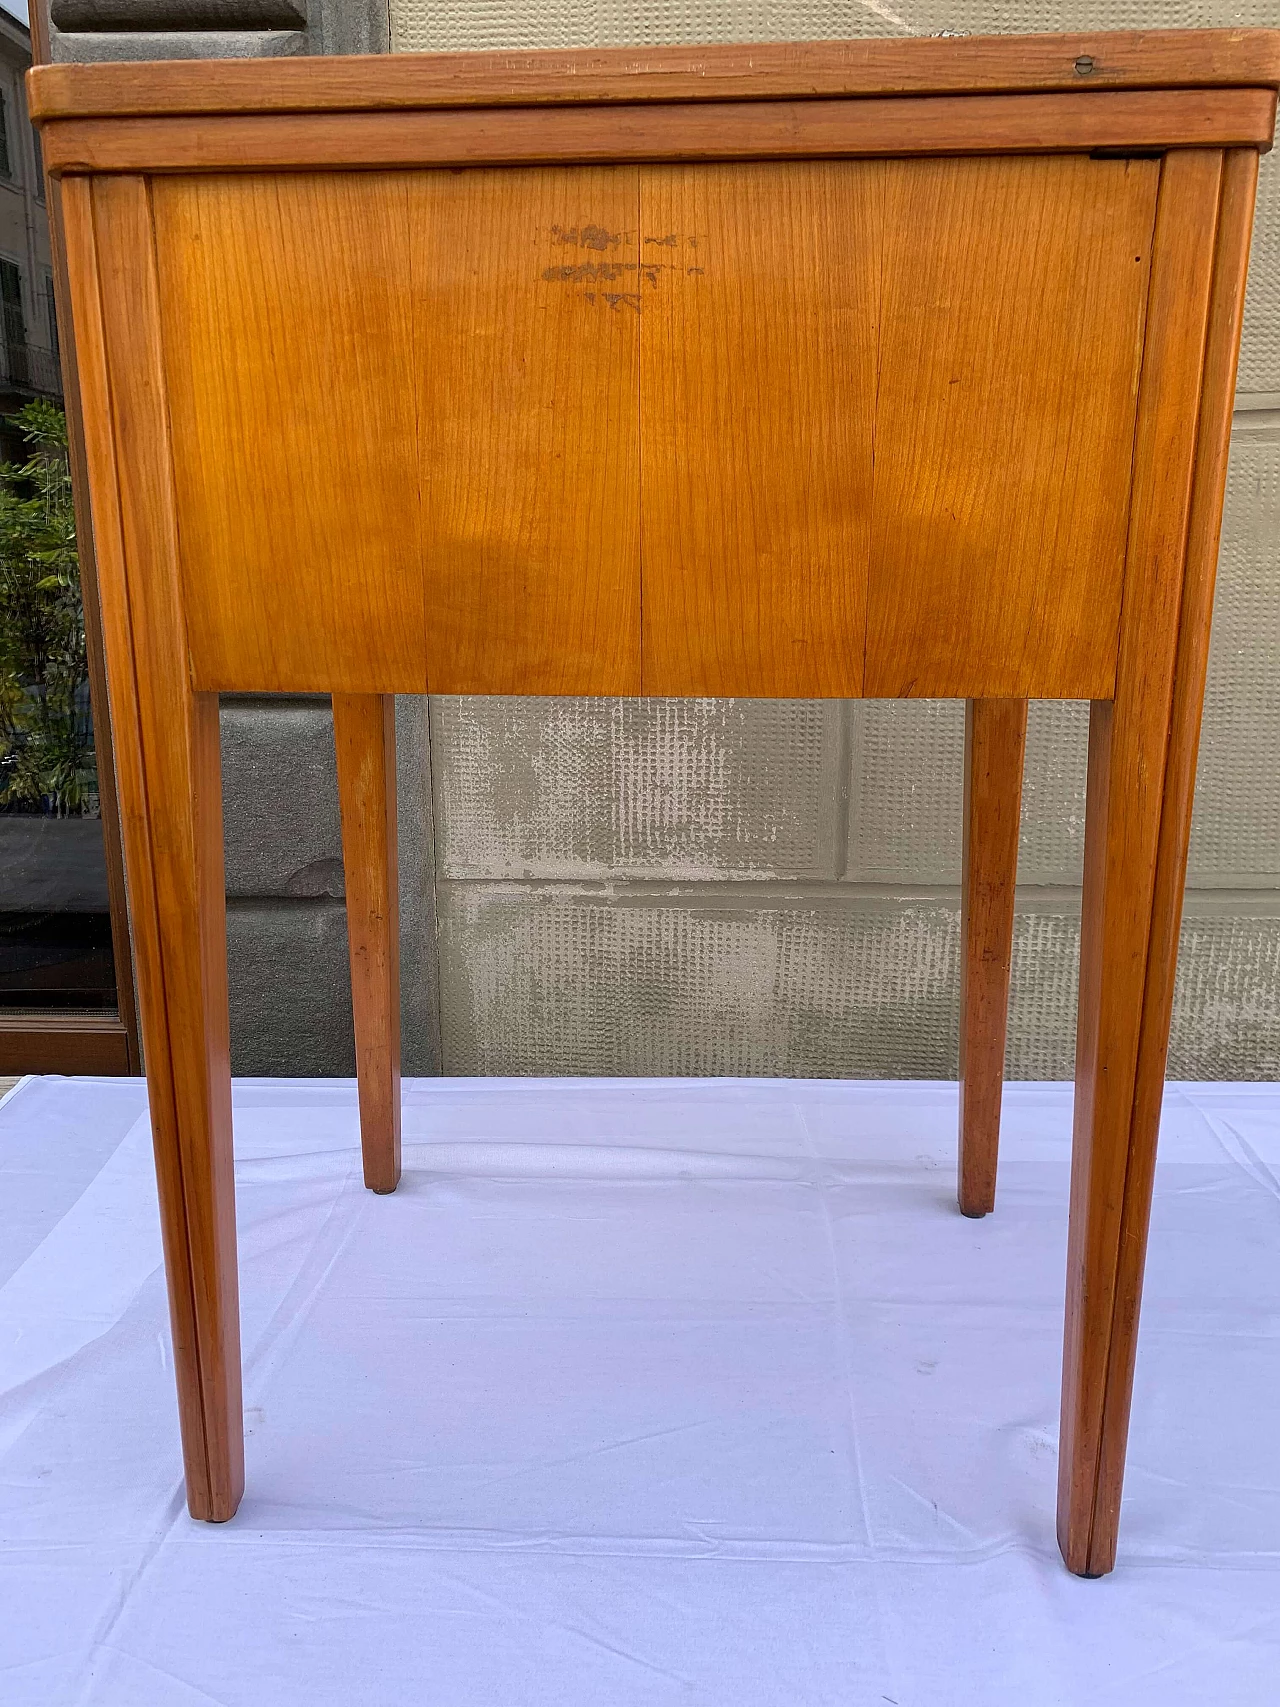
{"type": "Point", "coordinates": [635, 1393]}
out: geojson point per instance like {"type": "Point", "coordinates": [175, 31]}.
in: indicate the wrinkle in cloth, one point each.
{"type": "Point", "coordinates": [635, 1392]}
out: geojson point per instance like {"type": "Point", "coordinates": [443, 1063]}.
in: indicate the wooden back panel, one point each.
{"type": "Point", "coordinates": [833, 427]}
{"type": "Point", "coordinates": [781, 371]}
{"type": "Point", "coordinates": [404, 452]}
{"type": "Point", "coordinates": [1011, 331]}
{"type": "Point", "coordinates": [289, 348]}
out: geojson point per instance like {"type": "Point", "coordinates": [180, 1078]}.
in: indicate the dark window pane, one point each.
{"type": "Point", "coordinates": [55, 961]}
{"type": "Point", "coordinates": [55, 936]}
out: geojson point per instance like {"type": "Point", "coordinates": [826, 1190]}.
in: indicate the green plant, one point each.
{"type": "Point", "coordinates": [46, 732]}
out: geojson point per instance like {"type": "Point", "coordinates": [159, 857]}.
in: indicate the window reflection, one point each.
{"type": "Point", "coordinates": [55, 936]}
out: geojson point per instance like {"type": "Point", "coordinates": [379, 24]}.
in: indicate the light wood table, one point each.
{"type": "Point", "coordinates": [877, 368]}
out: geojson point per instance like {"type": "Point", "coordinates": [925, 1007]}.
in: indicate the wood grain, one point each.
{"type": "Point", "coordinates": [289, 333]}
{"type": "Point", "coordinates": [762, 71]}
{"type": "Point", "coordinates": [64, 1043]}
{"type": "Point", "coordinates": [170, 795]}
{"type": "Point", "coordinates": [939, 124]}
{"type": "Point", "coordinates": [1128, 744]}
{"type": "Point", "coordinates": [526, 296]}
{"type": "Point", "coordinates": [1204, 527]}
{"type": "Point", "coordinates": [1010, 347]}
{"type": "Point", "coordinates": [364, 736]}
{"type": "Point", "coordinates": [995, 741]}
{"type": "Point", "coordinates": [758, 379]}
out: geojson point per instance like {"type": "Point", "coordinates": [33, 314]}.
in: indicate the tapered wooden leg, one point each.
{"type": "Point", "coordinates": [995, 739]}
{"type": "Point", "coordinates": [1113, 1146]}
{"type": "Point", "coordinates": [174, 866]}
{"type": "Point", "coordinates": [1142, 750]}
{"type": "Point", "coordinates": [364, 736]}
{"type": "Point", "coordinates": [170, 791]}
{"type": "Point", "coordinates": [185, 1037]}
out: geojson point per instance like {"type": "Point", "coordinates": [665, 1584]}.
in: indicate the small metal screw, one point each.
{"type": "Point", "coordinates": [1084, 66]}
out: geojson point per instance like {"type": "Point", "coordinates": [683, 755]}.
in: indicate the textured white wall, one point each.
{"type": "Point", "coordinates": [713, 886]}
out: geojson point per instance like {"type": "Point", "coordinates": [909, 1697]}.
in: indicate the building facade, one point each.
{"type": "Point", "coordinates": [29, 330]}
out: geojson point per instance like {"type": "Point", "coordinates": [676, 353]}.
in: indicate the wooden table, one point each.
{"type": "Point", "coordinates": [880, 368]}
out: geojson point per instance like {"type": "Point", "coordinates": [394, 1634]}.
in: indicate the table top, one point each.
{"type": "Point", "coordinates": [1097, 60]}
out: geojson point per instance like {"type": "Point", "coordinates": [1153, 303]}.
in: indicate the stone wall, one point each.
{"type": "Point", "coordinates": [89, 30]}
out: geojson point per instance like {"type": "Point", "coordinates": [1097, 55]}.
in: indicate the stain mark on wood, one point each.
{"type": "Point", "coordinates": [616, 298]}
{"type": "Point", "coordinates": [587, 237]}
{"type": "Point", "coordinates": [593, 273]}
{"type": "Point", "coordinates": [586, 272]}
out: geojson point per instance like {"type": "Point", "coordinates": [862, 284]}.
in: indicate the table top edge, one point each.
{"type": "Point", "coordinates": [876, 66]}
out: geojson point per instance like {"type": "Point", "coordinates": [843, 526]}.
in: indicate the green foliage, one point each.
{"type": "Point", "coordinates": [46, 735]}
